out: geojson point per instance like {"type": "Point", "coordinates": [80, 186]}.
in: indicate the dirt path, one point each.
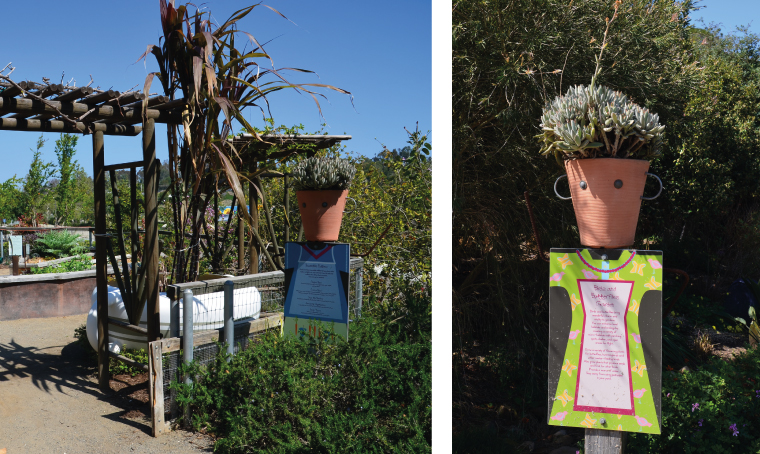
{"type": "Point", "coordinates": [50, 401]}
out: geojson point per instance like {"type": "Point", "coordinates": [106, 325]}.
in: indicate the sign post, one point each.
{"type": "Point", "coordinates": [605, 347]}
{"type": "Point", "coordinates": [316, 282]}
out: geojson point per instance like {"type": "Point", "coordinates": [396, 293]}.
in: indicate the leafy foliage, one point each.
{"type": "Point", "coordinates": [80, 263]}
{"type": "Point", "coordinates": [322, 173]}
{"type": "Point", "coordinates": [60, 243]}
{"type": "Point", "coordinates": [393, 195]}
{"type": "Point", "coordinates": [35, 190]}
{"type": "Point", "coordinates": [10, 199]}
{"type": "Point", "coordinates": [713, 409]}
{"type": "Point", "coordinates": [66, 194]}
{"type": "Point", "coordinates": [116, 367]}
{"type": "Point", "coordinates": [587, 119]}
{"type": "Point", "coordinates": [370, 394]}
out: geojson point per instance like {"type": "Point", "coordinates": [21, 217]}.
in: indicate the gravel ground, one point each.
{"type": "Point", "coordinates": [50, 401]}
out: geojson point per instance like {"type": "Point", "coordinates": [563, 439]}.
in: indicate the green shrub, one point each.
{"type": "Point", "coordinates": [370, 394]}
{"type": "Point", "coordinates": [711, 410]}
{"type": "Point", "coordinates": [117, 367]}
{"type": "Point", "coordinates": [80, 263]}
{"type": "Point", "coordinates": [60, 243]}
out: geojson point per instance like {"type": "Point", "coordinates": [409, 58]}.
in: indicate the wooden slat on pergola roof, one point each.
{"type": "Point", "coordinates": [283, 140]}
{"type": "Point", "coordinates": [31, 106]}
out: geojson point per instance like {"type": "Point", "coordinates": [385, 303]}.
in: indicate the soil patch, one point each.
{"type": "Point", "coordinates": [134, 394]}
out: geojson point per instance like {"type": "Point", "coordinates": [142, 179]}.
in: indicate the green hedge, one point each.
{"type": "Point", "coordinates": [370, 394]}
{"type": "Point", "coordinates": [712, 410]}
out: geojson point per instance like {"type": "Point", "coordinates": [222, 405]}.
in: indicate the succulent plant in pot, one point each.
{"type": "Point", "coordinates": [605, 142]}
{"type": "Point", "coordinates": [321, 188]}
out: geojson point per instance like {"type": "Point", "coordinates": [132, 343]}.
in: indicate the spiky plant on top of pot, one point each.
{"type": "Point", "coordinates": [605, 141]}
{"type": "Point", "coordinates": [321, 188]}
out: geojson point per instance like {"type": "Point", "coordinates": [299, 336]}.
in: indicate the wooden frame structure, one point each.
{"type": "Point", "coordinates": [46, 107]}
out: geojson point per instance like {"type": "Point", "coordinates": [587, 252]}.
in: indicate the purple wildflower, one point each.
{"type": "Point", "coordinates": [668, 395]}
{"type": "Point", "coordinates": [733, 428]}
{"type": "Point", "coordinates": [694, 407]}
{"type": "Point", "coordinates": [700, 422]}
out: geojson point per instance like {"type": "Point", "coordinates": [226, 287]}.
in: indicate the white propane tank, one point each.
{"type": "Point", "coordinates": [208, 313]}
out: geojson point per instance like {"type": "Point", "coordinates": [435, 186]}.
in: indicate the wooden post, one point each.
{"type": "Point", "coordinates": [253, 263]}
{"type": "Point", "coordinates": [150, 254]}
{"type": "Point", "coordinates": [241, 238]}
{"type": "Point", "coordinates": [101, 266]}
{"type": "Point", "coordinates": [287, 209]}
{"type": "Point", "coordinates": [156, 387]}
{"type": "Point", "coordinates": [600, 441]}
{"type": "Point", "coordinates": [14, 260]}
{"type": "Point", "coordinates": [134, 226]}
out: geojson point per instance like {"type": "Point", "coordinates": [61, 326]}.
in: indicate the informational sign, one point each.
{"type": "Point", "coordinates": [605, 346]}
{"type": "Point", "coordinates": [316, 279]}
{"type": "Point", "coordinates": [15, 247]}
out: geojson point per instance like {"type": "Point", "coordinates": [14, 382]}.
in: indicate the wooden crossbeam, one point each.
{"type": "Point", "coordinates": [97, 98]}
{"type": "Point", "coordinates": [75, 109]}
{"type": "Point", "coordinates": [129, 326]}
{"type": "Point", "coordinates": [42, 91]}
{"type": "Point", "coordinates": [125, 99]}
{"type": "Point", "coordinates": [161, 107]}
{"type": "Point", "coordinates": [71, 95]}
{"type": "Point", "coordinates": [124, 165]}
{"type": "Point", "coordinates": [154, 101]}
{"type": "Point", "coordinates": [75, 94]}
{"type": "Point", "coordinates": [14, 91]}
{"type": "Point", "coordinates": [20, 124]}
{"type": "Point", "coordinates": [160, 99]}
{"type": "Point", "coordinates": [169, 105]}
{"type": "Point", "coordinates": [49, 90]}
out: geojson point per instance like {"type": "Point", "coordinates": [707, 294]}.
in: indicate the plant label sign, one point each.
{"type": "Point", "coordinates": [316, 283]}
{"type": "Point", "coordinates": [605, 346]}
{"type": "Point", "coordinates": [15, 247]}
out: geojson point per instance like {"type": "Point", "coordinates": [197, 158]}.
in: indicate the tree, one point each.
{"type": "Point", "coordinates": [66, 195]}
{"type": "Point", "coordinates": [35, 191]}
{"type": "Point", "coordinates": [83, 211]}
{"type": "Point", "coordinates": [10, 207]}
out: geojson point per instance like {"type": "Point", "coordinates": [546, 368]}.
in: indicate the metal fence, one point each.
{"type": "Point", "coordinates": [258, 293]}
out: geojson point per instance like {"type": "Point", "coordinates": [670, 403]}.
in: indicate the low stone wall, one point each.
{"type": "Point", "coordinates": [46, 295]}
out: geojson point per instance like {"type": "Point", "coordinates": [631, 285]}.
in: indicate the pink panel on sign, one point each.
{"type": "Point", "coordinates": [604, 384]}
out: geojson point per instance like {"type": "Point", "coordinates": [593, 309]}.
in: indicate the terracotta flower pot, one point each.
{"type": "Point", "coordinates": [321, 213]}
{"type": "Point", "coordinates": [607, 194]}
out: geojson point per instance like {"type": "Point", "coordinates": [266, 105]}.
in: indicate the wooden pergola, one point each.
{"type": "Point", "coordinates": [50, 107]}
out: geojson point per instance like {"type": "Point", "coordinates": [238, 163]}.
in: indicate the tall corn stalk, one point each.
{"type": "Point", "coordinates": [218, 78]}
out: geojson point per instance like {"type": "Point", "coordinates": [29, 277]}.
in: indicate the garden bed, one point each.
{"type": "Point", "coordinates": [46, 295]}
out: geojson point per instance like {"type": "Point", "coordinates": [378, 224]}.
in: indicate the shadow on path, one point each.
{"type": "Point", "coordinates": [73, 369]}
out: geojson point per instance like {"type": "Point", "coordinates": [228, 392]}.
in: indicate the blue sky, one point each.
{"type": "Point", "coordinates": [729, 13]}
{"type": "Point", "coordinates": [379, 51]}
